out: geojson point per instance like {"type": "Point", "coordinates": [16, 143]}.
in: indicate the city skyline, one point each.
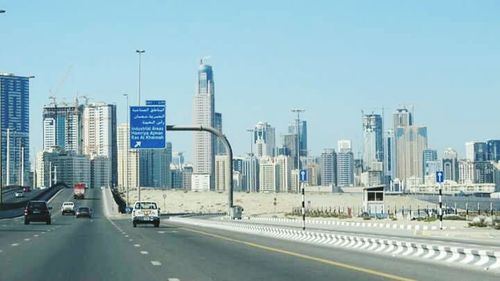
{"type": "Point", "coordinates": [407, 63]}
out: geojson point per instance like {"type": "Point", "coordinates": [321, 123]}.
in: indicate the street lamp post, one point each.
{"type": "Point", "coordinates": [140, 52]}
{"type": "Point", "coordinates": [128, 148]}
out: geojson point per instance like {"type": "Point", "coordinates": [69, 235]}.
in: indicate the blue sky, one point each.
{"type": "Point", "coordinates": [332, 58]}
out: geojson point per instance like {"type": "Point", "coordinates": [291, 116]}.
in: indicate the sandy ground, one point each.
{"type": "Point", "coordinates": [260, 204]}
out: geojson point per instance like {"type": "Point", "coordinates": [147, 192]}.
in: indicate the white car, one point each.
{"type": "Point", "coordinates": [68, 207]}
{"type": "Point", "coordinates": [146, 212]}
{"type": "Point", "coordinates": [19, 194]}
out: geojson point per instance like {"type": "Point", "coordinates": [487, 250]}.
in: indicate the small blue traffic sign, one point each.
{"type": "Point", "coordinates": [439, 176]}
{"type": "Point", "coordinates": [147, 127]}
{"type": "Point", "coordinates": [303, 175]}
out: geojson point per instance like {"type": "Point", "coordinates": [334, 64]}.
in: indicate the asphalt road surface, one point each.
{"type": "Point", "coordinates": [102, 249]}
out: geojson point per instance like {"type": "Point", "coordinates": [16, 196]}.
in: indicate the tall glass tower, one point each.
{"type": "Point", "coordinates": [14, 101]}
{"type": "Point", "coordinates": [373, 140]}
{"type": "Point", "coordinates": [204, 115]}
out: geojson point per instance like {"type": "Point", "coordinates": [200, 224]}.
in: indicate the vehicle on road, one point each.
{"type": "Point", "coordinates": [37, 211]}
{"type": "Point", "coordinates": [19, 194]}
{"type": "Point", "coordinates": [83, 212]}
{"type": "Point", "coordinates": [27, 189]}
{"type": "Point", "coordinates": [68, 207]}
{"type": "Point", "coordinates": [79, 190]}
{"type": "Point", "coordinates": [146, 212]}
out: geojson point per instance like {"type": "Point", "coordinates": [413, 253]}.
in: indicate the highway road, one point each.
{"type": "Point", "coordinates": [104, 249]}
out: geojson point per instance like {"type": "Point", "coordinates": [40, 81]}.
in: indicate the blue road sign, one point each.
{"type": "Point", "coordinates": [303, 175]}
{"type": "Point", "coordinates": [439, 177]}
{"type": "Point", "coordinates": [155, 102]}
{"type": "Point", "coordinates": [147, 127]}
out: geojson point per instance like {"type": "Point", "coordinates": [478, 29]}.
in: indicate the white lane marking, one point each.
{"type": "Point", "coordinates": [156, 263]}
{"type": "Point", "coordinates": [161, 232]}
{"type": "Point", "coordinates": [14, 245]}
{"type": "Point", "coordinates": [144, 252]}
{"type": "Point", "coordinates": [173, 279]}
{"type": "Point", "coordinates": [137, 245]}
{"type": "Point", "coordinates": [126, 236]}
{"type": "Point", "coordinates": [27, 239]}
{"type": "Point", "coordinates": [35, 235]}
{"type": "Point", "coordinates": [131, 240]}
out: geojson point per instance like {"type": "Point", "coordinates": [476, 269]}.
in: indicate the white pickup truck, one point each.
{"type": "Point", "coordinates": [68, 207]}
{"type": "Point", "coordinates": [146, 212]}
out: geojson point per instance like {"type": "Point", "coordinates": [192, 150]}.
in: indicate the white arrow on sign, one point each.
{"type": "Point", "coordinates": [137, 144]}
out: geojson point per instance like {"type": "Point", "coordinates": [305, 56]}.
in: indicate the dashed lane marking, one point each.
{"type": "Point", "coordinates": [156, 263]}
{"type": "Point", "coordinates": [137, 245]}
{"type": "Point", "coordinates": [14, 245]}
{"type": "Point", "coordinates": [27, 239]}
{"type": "Point", "coordinates": [173, 279]}
{"type": "Point", "coordinates": [130, 240]}
{"type": "Point", "coordinates": [35, 235]}
{"type": "Point", "coordinates": [161, 232]}
{"type": "Point", "coordinates": [144, 252]}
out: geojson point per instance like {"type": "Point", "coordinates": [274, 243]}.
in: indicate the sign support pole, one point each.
{"type": "Point", "coordinates": [303, 206]}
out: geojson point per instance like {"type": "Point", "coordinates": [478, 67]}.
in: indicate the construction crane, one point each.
{"type": "Point", "coordinates": [53, 100]}
{"type": "Point", "coordinates": [54, 90]}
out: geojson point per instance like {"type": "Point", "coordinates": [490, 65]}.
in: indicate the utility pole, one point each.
{"type": "Point", "coordinates": [8, 157]}
{"type": "Point", "coordinates": [22, 165]}
{"type": "Point", "coordinates": [127, 154]}
{"type": "Point", "coordinates": [138, 158]}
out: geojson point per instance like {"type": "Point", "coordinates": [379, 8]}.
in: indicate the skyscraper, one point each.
{"type": "Point", "coordinates": [345, 164]}
{"type": "Point", "coordinates": [268, 176]}
{"type": "Point", "coordinates": [128, 160]}
{"type": "Point", "coordinates": [410, 142]}
{"type": "Point", "coordinates": [429, 157]}
{"type": "Point", "coordinates": [219, 146]}
{"type": "Point", "coordinates": [221, 163]}
{"type": "Point", "coordinates": [99, 137]}
{"type": "Point", "coordinates": [493, 150]}
{"type": "Point", "coordinates": [204, 115]}
{"type": "Point", "coordinates": [250, 173]}
{"type": "Point", "coordinates": [476, 151]}
{"type": "Point", "coordinates": [328, 167]}
{"type": "Point", "coordinates": [154, 167]}
{"type": "Point", "coordinates": [284, 172]}
{"type": "Point", "coordinates": [450, 165]}
{"type": "Point", "coordinates": [264, 139]}
{"type": "Point", "coordinates": [62, 126]}
{"type": "Point", "coordinates": [14, 101]}
{"type": "Point", "coordinates": [290, 145]}
{"type": "Point", "coordinates": [389, 156]}
{"type": "Point", "coordinates": [373, 145]}
{"type": "Point", "coordinates": [292, 130]}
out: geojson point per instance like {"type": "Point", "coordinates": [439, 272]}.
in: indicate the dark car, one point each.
{"type": "Point", "coordinates": [37, 211]}
{"type": "Point", "coordinates": [83, 212]}
{"type": "Point", "coordinates": [27, 189]}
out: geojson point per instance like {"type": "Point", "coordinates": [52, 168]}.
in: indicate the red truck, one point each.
{"type": "Point", "coordinates": [79, 191]}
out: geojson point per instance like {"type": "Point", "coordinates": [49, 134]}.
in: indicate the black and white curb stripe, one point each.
{"type": "Point", "coordinates": [354, 224]}
{"type": "Point", "coordinates": [481, 259]}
